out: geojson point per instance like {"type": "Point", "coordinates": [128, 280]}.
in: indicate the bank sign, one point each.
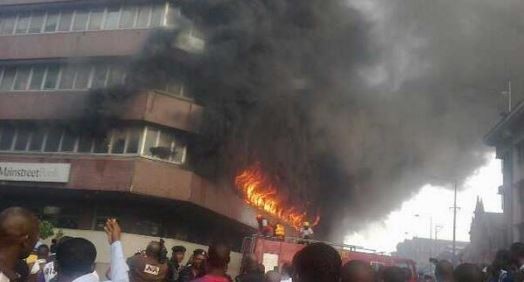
{"type": "Point", "coordinates": [35, 172]}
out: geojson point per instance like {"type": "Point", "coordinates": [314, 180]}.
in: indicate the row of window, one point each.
{"type": "Point", "coordinates": [82, 19]}
{"type": "Point", "coordinates": [145, 141]}
{"type": "Point", "coordinates": [59, 76]}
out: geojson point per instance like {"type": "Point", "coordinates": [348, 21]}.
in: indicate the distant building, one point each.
{"type": "Point", "coordinates": [487, 235]}
{"type": "Point", "coordinates": [422, 249]}
{"type": "Point", "coordinates": [508, 139]}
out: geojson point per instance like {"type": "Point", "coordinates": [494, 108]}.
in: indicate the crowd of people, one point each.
{"type": "Point", "coordinates": [23, 258]}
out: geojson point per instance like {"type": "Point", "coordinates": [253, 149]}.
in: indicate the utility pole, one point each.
{"type": "Point", "coordinates": [455, 221]}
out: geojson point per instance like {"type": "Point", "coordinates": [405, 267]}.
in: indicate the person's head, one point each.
{"type": "Point", "coordinates": [199, 257]}
{"type": "Point", "coordinates": [517, 253]}
{"type": "Point", "coordinates": [502, 261]}
{"type": "Point", "coordinates": [357, 271]}
{"type": "Point", "coordinates": [394, 274]}
{"type": "Point", "coordinates": [42, 251]}
{"type": "Point", "coordinates": [53, 241]}
{"type": "Point", "coordinates": [156, 250]}
{"type": "Point", "coordinates": [18, 232]}
{"type": "Point", "coordinates": [273, 276]}
{"type": "Point", "coordinates": [75, 257]}
{"type": "Point", "coordinates": [317, 262]}
{"type": "Point", "coordinates": [468, 272]}
{"type": "Point", "coordinates": [444, 271]}
{"type": "Point", "coordinates": [249, 264]}
{"type": "Point", "coordinates": [286, 270]}
{"type": "Point", "coordinates": [179, 252]}
{"type": "Point", "coordinates": [218, 256]}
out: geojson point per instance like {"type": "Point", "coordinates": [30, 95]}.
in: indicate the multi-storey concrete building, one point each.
{"type": "Point", "coordinates": [52, 54]}
{"type": "Point", "coordinates": [508, 139]}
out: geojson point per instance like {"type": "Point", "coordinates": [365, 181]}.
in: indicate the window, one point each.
{"type": "Point", "coordinates": [157, 16]}
{"type": "Point", "coordinates": [67, 78]}
{"type": "Point", "coordinates": [7, 134]}
{"type": "Point", "coordinates": [51, 22]}
{"type": "Point", "coordinates": [150, 142]}
{"type": "Point", "coordinates": [68, 142]}
{"type": "Point", "coordinates": [22, 138]}
{"type": "Point", "coordinates": [85, 144]}
{"type": "Point", "coordinates": [36, 77]}
{"type": "Point", "coordinates": [65, 20]}
{"type": "Point", "coordinates": [99, 76]}
{"type": "Point", "coordinates": [112, 17]}
{"type": "Point", "coordinates": [119, 141]}
{"type": "Point", "coordinates": [133, 140]}
{"type": "Point", "coordinates": [127, 19]}
{"type": "Point", "coordinates": [163, 145]}
{"type": "Point", "coordinates": [115, 76]}
{"type": "Point", "coordinates": [37, 20]}
{"type": "Point", "coordinates": [51, 77]}
{"type": "Point", "coordinates": [8, 78]}
{"type": "Point", "coordinates": [37, 139]}
{"type": "Point", "coordinates": [82, 77]}
{"type": "Point", "coordinates": [53, 140]}
{"type": "Point", "coordinates": [21, 78]}
{"type": "Point", "coordinates": [101, 144]}
{"type": "Point", "coordinates": [7, 24]}
{"type": "Point", "coordinates": [143, 16]}
{"type": "Point", "coordinates": [80, 21]}
{"type": "Point", "coordinates": [95, 19]}
{"type": "Point", "coordinates": [23, 22]}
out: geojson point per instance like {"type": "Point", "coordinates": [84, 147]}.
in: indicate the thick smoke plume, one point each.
{"type": "Point", "coordinates": [350, 106]}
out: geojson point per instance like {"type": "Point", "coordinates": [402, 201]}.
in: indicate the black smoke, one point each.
{"type": "Point", "coordinates": [351, 106]}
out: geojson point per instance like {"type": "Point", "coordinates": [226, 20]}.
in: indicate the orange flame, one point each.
{"type": "Point", "coordinates": [259, 192]}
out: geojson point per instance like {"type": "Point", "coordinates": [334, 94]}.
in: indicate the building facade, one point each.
{"type": "Point", "coordinates": [487, 235]}
{"type": "Point", "coordinates": [422, 249]}
{"type": "Point", "coordinates": [508, 139]}
{"type": "Point", "coordinates": [53, 54]}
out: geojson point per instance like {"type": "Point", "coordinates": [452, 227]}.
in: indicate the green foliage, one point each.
{"type": "Point", "coordinates": [46, 229]}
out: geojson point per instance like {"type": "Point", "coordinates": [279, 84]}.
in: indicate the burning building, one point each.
{"type": "Point", "coordinates": [141, 164]}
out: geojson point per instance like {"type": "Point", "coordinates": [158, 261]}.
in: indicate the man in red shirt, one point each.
{"type": "Point", "coordinates": [216, 266]}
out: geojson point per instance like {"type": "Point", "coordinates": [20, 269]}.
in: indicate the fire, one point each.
{"type": "Point", "coordinates": [261, 193]}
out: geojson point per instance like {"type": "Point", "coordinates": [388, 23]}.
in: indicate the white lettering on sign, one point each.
{"type": "Point", "coordinates": [35, 172]}
{"type": "Point", "coordinates": [152, 269]}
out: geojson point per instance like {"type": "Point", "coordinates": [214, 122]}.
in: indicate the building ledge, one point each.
{"type": "Point", "coordinates": [151, 106]}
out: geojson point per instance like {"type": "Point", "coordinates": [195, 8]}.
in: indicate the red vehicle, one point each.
{"type": "Point", "coordinates": [273, 253]}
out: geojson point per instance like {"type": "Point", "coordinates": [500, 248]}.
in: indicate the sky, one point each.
{"type": "Point", "coordinates": [434, 202]}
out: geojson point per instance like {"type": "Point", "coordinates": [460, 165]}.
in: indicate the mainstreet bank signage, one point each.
{"type": "Point", "coordinates": [35, 172]}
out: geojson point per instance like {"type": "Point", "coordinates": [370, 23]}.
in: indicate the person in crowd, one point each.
{"type": "Point", "coordinates": [501, 267]}
{"type": "Point", "coordinates": [273, 276]}
{"type": "Point", "coordinates": [152, 266]}
{"type": "Point", "coordinates": [18, 235]}
{"type": "Point", "coordinates": [75, 258]}
{"type": "Point", "coordinates": [317, 262]}
{"type": "Point", "coordinates": [286, 271]}
{"type": "Point", "coordinates": [22, 269]}
{"type": "Point", "coordinates": [250, 271]}
{"type": "Point", "coordinates": [394, 274]}
{"type": "Point", "coordinates": [306, 232]}
{"type": "Point", "coordinates": [195, 268]}
{"type": "Point", "coordinates": [52, 248]}
{"type": "Point", "coordinates": [468, 272]}
{"type": "Point", "coordinates": [175, 263]}
{"type": "Point", "coordinates": [49, 271]}
{"type": "Point", "coordinates": [42, 256]}
{"type": "Point", "coordinates": [444, 271]}
{"type": "Point", "coordinates": [357, 271]}
{"type": "Point", "coordinates": [216, 265]}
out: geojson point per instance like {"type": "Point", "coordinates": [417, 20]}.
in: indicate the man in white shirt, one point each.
{"type": "Point", "coordinates": [18, 235]}
{"type": "Point", "coordinates": [75, 258]}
